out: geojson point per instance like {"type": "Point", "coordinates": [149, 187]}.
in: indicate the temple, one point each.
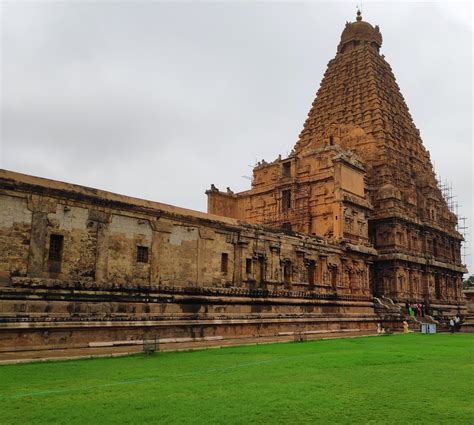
{"type": "Point", "coordinates": [334, 239]}
{"type": "Point", "coordinates": [360, 175]}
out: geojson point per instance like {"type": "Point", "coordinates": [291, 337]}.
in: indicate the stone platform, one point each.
{"type": "Point", "coordinates": [48, 317]}
{"type": "Point", "coordinates": [121, 348]}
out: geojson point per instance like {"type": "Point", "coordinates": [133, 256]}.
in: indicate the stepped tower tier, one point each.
{"type": "Point", "coordinates": [359, 174]}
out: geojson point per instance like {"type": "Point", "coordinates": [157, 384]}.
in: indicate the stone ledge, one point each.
{"type": "Point", "coordinates": [62, 354]}
{"type": "Point", "coordinates": [173, 323]}
{"type": "Point", "coordinates": [88, 287]}
{"type": "Point", "coordinates": [420, 260]}
{"type": "Point", "coordinates": [96, 296]}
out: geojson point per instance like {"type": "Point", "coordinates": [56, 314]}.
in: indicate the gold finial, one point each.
{"type": "Point", "coordinates": [359, 14]}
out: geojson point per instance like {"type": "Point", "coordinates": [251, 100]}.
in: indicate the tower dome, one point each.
{"type": "Point", "coordinates": [360, 32]}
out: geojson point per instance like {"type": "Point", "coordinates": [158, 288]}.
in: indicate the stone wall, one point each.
{"type": "Point", "coordinates": [101, 243]}
{"type": "Point", "coordinates": [321, 193]}
{"type": "Point", "coordinates": [81, 265]}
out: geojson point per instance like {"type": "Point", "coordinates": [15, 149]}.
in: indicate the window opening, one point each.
{"type": "Point", "coordinates": [261, 262]}
{"type": "Point", "coordinates": [56, 247]}
{"type": "Point", "coordinates": [248, 266]}
{"type": "Point", "coordinates": [286, 200]}
{"type": "Point", "coordinates": [142, 254]}
{"type": "Point", "coordinates": [311, 272]}
{"type": "Point", "coordinates": [287, 271]}
{"type": "Point", "coordinates": [334, 277]}
{"type": "Point", "coordinates": [437, 286]}
{"type": "Point", "coordinates": [224, 261]}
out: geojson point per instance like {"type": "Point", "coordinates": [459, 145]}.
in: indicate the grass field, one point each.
{"type": "Point", "coordinates": [399, 379]}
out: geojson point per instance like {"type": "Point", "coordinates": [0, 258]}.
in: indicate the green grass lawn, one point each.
{"type": "Point", "coordinates": [399, 379]}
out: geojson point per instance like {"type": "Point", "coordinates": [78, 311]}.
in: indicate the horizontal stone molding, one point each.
{"type": "Point", "coordinates": [174, 323]}
{"type": "Point", "coordinates": [421, 260]}
{"type": "Point", "coordinates": [49, 287]}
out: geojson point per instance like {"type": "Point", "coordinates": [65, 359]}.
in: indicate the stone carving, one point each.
{"type": "Point", "coordinates": [304, 250]}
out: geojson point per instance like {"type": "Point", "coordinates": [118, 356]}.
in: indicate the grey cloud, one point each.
{"type": "Point", "coordinates": [158, 100]}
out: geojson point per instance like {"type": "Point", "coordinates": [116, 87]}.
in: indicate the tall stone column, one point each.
{"type": "Point", "coordinates": [238, 263]}
{"type": "Point", "coordinates": [40, 207]}
{"type": "Point", "coordinates": [102, 253]}
{"type": "Point", "coordinates": [102, 220]}
{"type": "Point", "coordinates": [161, 228]}
{"type": "Point", "coordinates": [154, 258]}
{"type": "Point", "coordinates": [322, 268]}
{"type": "Point", "coordinates": [39, 230]}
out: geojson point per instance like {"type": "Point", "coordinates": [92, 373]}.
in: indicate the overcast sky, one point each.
{"type": "Point", "coordinates": [160, 99]}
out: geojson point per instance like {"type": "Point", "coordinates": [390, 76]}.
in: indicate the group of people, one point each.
{"type": "Point", "coordinates": [455, 324]}
{"type": "Point", "coordinates": [421, 310]}
{"type": "Point", "coordinates": [416, 310]}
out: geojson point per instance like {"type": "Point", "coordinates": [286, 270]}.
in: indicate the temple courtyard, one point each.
{"type": "Point", "coordinates": [393, 379]}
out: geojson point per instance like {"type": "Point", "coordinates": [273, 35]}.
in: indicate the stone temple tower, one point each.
{"type": "Point", "coordinates": [360, 174]}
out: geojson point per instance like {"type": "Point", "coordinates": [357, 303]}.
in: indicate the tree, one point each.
{"type": "Point", "coordinates": [469, 282]}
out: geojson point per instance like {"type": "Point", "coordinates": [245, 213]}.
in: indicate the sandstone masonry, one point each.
{"type": "Point", "coordinates": [353, 215]}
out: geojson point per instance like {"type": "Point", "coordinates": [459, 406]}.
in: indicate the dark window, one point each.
{"type": "Point", "coordinates": [262, 266]}
{"type": "Point", "coordinates": [286, 226]}
{"type": "Point", "coordinates": [286, 169]}
{"type": "Point", "coordinates": [142, 254]}
{"type": "Point", "coordinates": [334, 277]}
{"type": "Point", "coordinates": [331, 140]}
{"type": "Point", "coordinates": [311, 272]}
{"type": "Point", "coordinates": [437, 286]}
{"type": "Point", "coordinates": [56, 247]}
{"type": "Point", "coordinates": [286, 200]}
{"type": "Point", "coordinates": [287, 271]}
{"type": "Point", "coordinates": [224, 261]}
{"type": "Point", "coordinates": [248, 266]}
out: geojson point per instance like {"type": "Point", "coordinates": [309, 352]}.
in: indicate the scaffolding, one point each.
{"type": "Point", "coordinates": [446, 189]}
{"type": "Point", "coordinates": [297, 217]}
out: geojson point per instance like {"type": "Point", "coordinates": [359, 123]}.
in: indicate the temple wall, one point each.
{"type": "Point", "coordinates": [15, 229]}
{"type": "Point", "coordinates": [318, 193]}
{"type": "Point", "coordinates": [81, 266]}
{"type": "Point", "coordinates": [80, 242]}
{"type": "Point", "coordinates": [101, 245]}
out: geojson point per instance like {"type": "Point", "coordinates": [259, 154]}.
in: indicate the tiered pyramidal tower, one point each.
{"type": "Point", "coordinates": [360, 175]}
{"type": "Point", "coordinates": [359, 105]}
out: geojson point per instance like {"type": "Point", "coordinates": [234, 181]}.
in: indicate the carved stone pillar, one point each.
{"type": "Point", "coordinates": [40, 208]}
{"type": "Point", "coordinates": [39, 230]}
{"type": "Point", "coordinates": [102, 219]}
{"type": "Point", "coordinates": [160, 229]}
{"type": "Point", "coordinates": [101, 261]}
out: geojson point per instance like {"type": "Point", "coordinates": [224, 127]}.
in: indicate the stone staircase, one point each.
{"type": "Point", "coordinates": [386, 311]}
{"type": "Point", "coordinates": [385, 306]}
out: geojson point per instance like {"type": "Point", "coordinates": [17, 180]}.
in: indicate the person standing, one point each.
{"type": "Point", "coordinates": [451, 325]}
{"type": "Point", "coordinates": [457, 323]}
